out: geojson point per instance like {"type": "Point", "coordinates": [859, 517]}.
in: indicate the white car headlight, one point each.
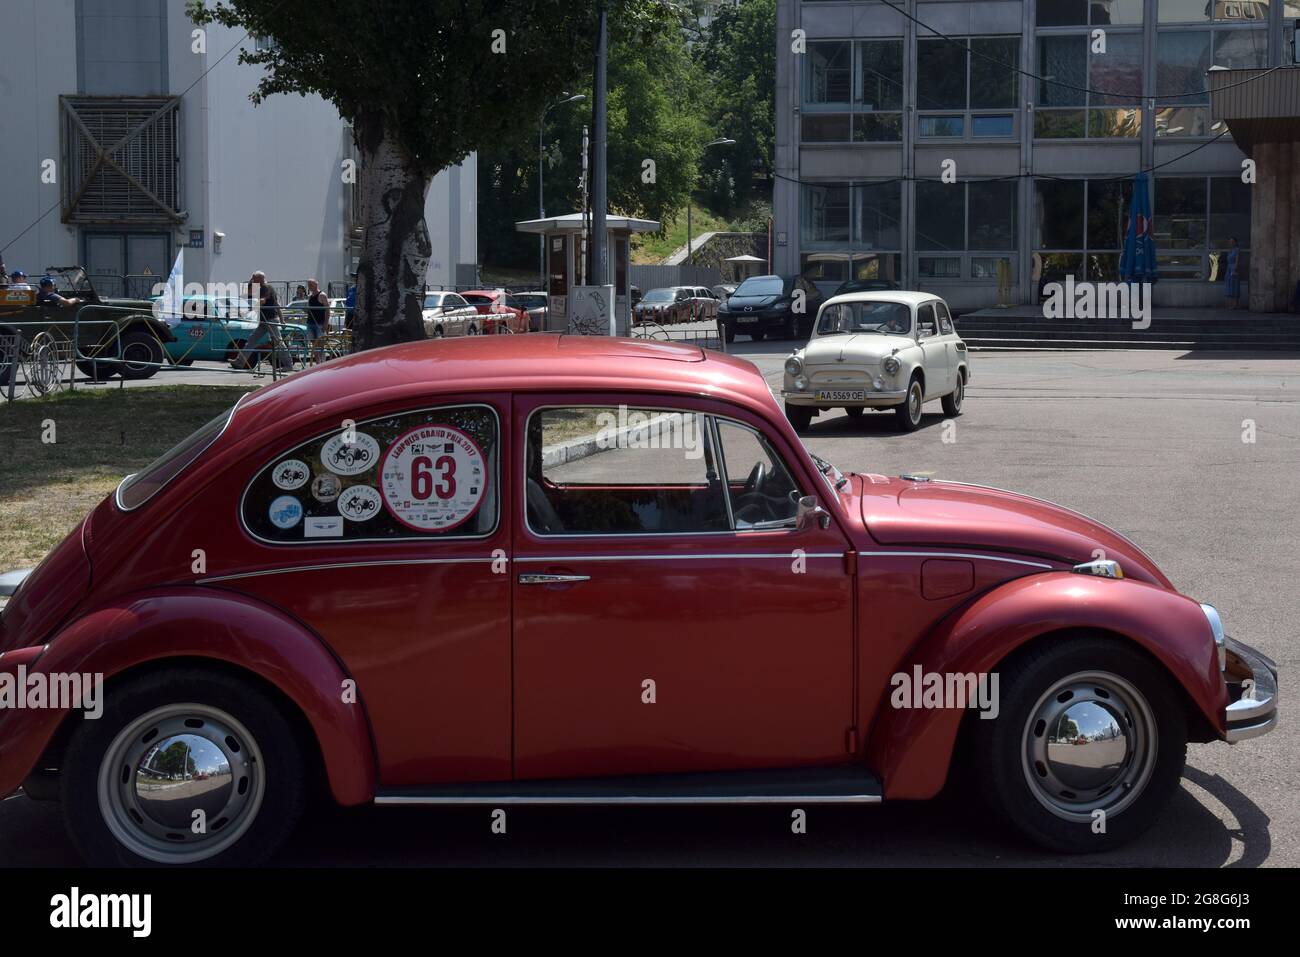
{"type": "Point", "coordinates": [891, 365]}
{"type": "Point", "coordinates": [793, 365]}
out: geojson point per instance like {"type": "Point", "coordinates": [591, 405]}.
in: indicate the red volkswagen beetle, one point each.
{"type": "Point", "coordinates": [577, 570]}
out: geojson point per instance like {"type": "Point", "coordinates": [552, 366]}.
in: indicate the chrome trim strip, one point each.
{"type": "Point", "coordinates": [400, 800]}
{"type": "Point", "coordinates": [323, 565]}
{"type": "Point", "coordinates": [987, 558]}
{"type": "Point", "coordinates": [541, 579]}
{"type": "Point", "coordinates": [669, 558]}
{"type": "Point", "coordinates": [1233, 735]}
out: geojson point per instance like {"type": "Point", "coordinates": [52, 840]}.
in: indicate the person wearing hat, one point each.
{"type": "Point", "coordinates": [49, 297]}
{"type": "Point", "coordinates": [18, 280]}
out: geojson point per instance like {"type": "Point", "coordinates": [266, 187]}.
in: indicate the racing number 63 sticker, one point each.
{"type": "Point", "coordinates": [433, 478]}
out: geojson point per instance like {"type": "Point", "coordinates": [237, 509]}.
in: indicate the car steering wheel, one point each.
{"type": "Point", "coordinates": [757, 479]}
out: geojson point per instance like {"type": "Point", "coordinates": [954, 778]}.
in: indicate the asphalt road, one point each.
{"type": "Point", "coordinates": [1149, 442]}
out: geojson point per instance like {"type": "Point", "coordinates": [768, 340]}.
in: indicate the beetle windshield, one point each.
{"type": "Point", "coordinates": [886, 318]}
{"type": "Point", "coordinates": [137, 489]}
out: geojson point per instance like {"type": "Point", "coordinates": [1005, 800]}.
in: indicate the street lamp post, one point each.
{"type": "Point", "coordinates": [541, 205]}
{"type": "Point", "coordinates": [720, 141]}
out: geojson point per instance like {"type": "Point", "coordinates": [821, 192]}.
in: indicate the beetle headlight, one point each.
{"type": "Point", "coordinates": [793, 365]}
{"type": "Point", "coordinates": [891, 365]}
{"type": "Point", "coordinates": [1216, 628]}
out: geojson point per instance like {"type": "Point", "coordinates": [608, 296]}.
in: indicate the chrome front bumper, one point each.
{"type": "Point", "coordinates": [1253, 708]}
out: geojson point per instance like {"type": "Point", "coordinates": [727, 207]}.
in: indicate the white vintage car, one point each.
{"type": "Point", "coordinates": [878, 350]}
{"type": "Point", "coordinates": [449, 314]}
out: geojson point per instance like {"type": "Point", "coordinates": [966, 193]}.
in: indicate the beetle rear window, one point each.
{"type": "Point", "coordinates": [137, 489]}
{"type": "Point", "coordinates": [409, 475]}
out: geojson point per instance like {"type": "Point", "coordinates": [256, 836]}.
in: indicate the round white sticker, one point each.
{"type": "Point", "coordinates": [434, 478]}
{"type": "Point", "coordinates": [349, 458]}
{"type": "Point", "coordinates": [359, 502]}
{"type": "Point", "coordinates": [285, 512]}
{"type": "Point", "coordinates": [326, 487]}
{"type": "Point", "coordinates": [291, 474]}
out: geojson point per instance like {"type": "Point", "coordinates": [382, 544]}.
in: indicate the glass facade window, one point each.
{"type": "Point", "coordinates": [1070, 68]}
{"type": "Point", "coordinates": [1199, 11]}
{"type": "Point", "coordinates": [1072, 13]}
{"type": "Point", "coordinates": [958, 219]}
{"type": "Point", "coordinates": [853, 92]}
{"type": "Point", "coordinates": [852, 231]}
{"type": "Point", "coordinates": [1080, 226]}
{"type": "Point", "coordinates": [970, 75]}
{"type": "Point", "coordinates": [1182, 59]}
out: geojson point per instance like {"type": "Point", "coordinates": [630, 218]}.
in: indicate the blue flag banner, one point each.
{"type": "Point", "coordinates": [1138, 264]}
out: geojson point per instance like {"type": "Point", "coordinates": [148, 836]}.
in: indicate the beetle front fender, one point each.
{"type": "Point", "coordinates": [910, 748]}
{"type": "Point", "coordinates": [196, 622]}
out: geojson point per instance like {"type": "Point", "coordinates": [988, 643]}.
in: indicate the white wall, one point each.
{"type": "Point", "coordinates": [38, 63]}
{"type": "Point", "coordinates": [269, 177]}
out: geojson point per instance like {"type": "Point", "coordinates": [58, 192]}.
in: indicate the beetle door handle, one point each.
{"type": "Point", "coordinates": [531, 578]}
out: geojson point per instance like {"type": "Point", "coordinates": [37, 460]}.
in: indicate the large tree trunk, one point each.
{"type": "Point", "coordinates": [395, 245]}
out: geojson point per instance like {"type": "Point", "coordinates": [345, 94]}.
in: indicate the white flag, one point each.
{"type": "Point", "coordinates": [172, 300]}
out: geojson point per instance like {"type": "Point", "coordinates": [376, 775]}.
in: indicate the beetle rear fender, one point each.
{"type": "Point", "coordinates": [151, 628]}
{"type": "Point", "coordinates": [910, 748]}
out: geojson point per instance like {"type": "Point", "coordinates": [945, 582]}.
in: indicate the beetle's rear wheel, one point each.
{"type": "Point", "coordinates": [1081, 758]}
{"type": "Point", "coordinates": [184, 767]}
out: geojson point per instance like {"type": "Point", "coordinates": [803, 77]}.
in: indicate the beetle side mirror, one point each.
{"type": "Point", "coordinates": [810, 514]}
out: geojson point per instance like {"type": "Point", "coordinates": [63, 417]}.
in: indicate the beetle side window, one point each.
{"type": "Point", "coordinates": [616, 470]}
{"type": "Point", "coordinates": [418, 474]}
{"type": "Point", "coordinates": [763, 495]}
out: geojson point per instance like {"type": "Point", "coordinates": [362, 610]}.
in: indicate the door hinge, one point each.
{"type": "Point", "coordinates": [851, 740]}
{"type": "Point", "coordinates": [850, 563]}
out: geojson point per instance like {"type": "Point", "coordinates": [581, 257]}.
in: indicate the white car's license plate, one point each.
{"type": "Point", "coordinates": [747, 318]}
{"type": "Point", "coordinates": [841, 395]}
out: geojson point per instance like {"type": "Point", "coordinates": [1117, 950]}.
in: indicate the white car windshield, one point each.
{"type": "Point", "coordinates": [886, 318]}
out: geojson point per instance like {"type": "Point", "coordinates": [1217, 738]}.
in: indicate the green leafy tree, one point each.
{"type": "Point", "coordinates": [740, 57]}
{"type": "Point", "coordinates": [657, 111]}
{"type": "Point", "coordinates": [423, 83]}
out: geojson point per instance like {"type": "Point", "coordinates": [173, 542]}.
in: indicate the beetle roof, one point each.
{"type": "Point", "coordinates": [484, 364]}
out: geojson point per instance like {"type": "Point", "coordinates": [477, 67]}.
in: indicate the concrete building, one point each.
{"type": "Point", "coordinates": [873, 106]}
{"type": "Point", "coordinates": [127, 135]}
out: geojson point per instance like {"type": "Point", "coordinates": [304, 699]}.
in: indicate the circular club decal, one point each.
{"type": "Point", "coordinates": [291, 474]}
{"type": "Point", "coordinates": [326, 488]}
{"type": "Point", "coordinates": [359, 502]}
{"type": "Point", "coordinates": [286, 512]}
{"type": "Point", "coordinates": [434, 477]}
{"type": "Point", "coordinates": [349, 458]}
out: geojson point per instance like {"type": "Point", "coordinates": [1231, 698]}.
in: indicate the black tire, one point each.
{"type": "Point", "coordinates": [438, 332]}
{"type": "Point", "coordinates": [757, 336]}
{"type": "Point", "coordinates": [908, 414]}
{"type": "Point", "coordinates": [855, 411]}
{"type": "Point", "coordinates": [143, 346]}
{"type": "Point", "coordinates": [729, 332]}
{"type": "Point", "coordinates": [273, 801]}
{"type": "Point", "coordinates": [1155, 741]}
{"type": "Point", "coordinates": [952, 402]}
{"type": "Point", "coordinates": [800, 416]}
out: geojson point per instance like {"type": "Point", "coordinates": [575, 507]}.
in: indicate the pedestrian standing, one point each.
{"type": "Point", "coordinates": [318, 316]}
{"type": "Point", "coordinates": [1231, 283]}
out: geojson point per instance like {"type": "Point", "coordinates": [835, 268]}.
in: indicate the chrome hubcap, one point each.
{"type": "Point", "coordinates": [914, 402]}
{"type": "Point", "coordinates": [1089, 743]}
{"type": "Point", "coordinates": [959, 394]}
{"type": "Point", "coordinates": [181, 783]}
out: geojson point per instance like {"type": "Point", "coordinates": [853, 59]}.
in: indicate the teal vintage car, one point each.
{"type": "Point", "coordinates": [215, 329]}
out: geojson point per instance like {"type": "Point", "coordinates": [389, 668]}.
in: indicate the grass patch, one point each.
{"type": "Point", "coordinates": [100, 436]}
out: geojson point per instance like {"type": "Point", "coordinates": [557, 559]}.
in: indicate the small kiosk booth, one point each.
{"type": "Point", "coordinates": [565, 264]}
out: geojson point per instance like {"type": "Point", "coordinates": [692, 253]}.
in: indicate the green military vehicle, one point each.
{"type": "Point", "coordinates": [113, 336]}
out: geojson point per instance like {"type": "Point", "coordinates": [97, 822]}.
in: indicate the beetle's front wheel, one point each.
{"type": "Point", "coordinates": [183, 767]}
{"type": "Point", "coordinates": [1087, 747]}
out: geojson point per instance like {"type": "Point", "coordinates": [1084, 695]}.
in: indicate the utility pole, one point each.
{"type": "Point", "coordinates": [598, 191]}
